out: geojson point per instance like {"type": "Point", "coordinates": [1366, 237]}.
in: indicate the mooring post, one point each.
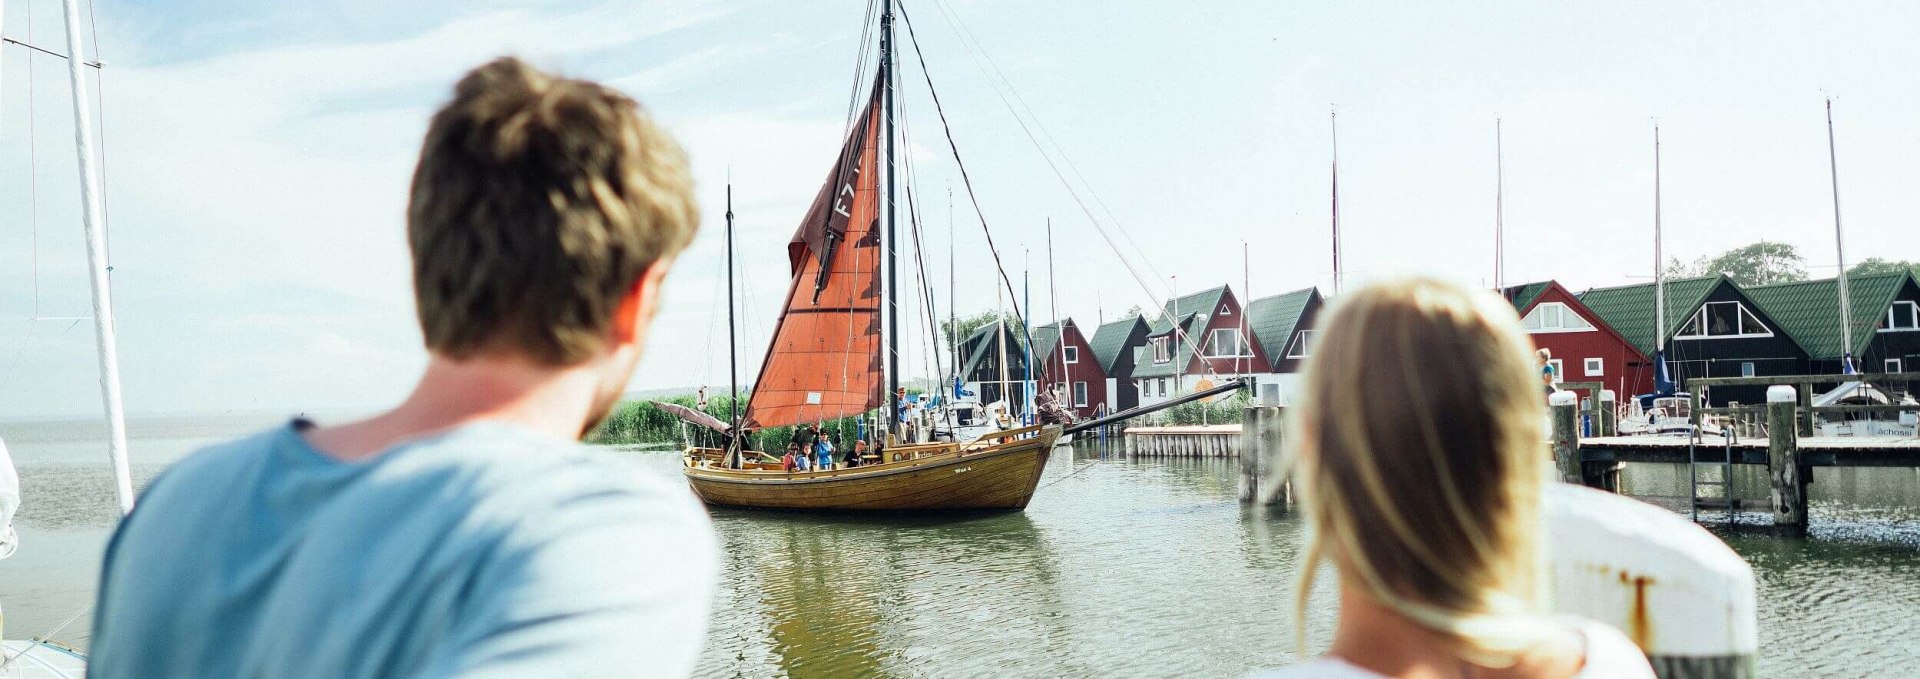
{"type": "Point", "coordinates": [1784, 470]}
{"type": "Point", "coordinates": [1805, 420]}
{"type": "Point", "coordinates": [1609, 414]}
{"type": "Point", "coordinates": [1566, 434]}
{"type": "Point", "coordinates": [1261, 437]}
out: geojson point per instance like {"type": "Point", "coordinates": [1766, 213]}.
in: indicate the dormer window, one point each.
{"type": "Point", "coordinates": [1160, 353]}
{"type": "Point", "coordinates": [1903, 315]}
{"type": "Point", "coordinates": [1723, 320]}
{"type": "Point", "coordinates": [1555, 317]}
{"type": "Point", "coordinates": [1302, 344]}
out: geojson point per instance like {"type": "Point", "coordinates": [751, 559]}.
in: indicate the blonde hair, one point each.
{"type": "Point", "coordinates": [1420, 463]}
{"type": "Point", "coordinates": [537, 203]}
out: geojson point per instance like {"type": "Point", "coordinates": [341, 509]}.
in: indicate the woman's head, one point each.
{"type": "Point", "coordinates": [1420, 460]}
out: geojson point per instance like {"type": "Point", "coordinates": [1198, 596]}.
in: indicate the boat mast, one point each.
{"type": "Point", "coordinates": [1659, 263]}
{"type": "Point", "coordinates": [1840, 251]}
{"type": "Point", "coordinates": [953, 301]}
{"type": "Point", "coordinates": [91, 211]}
{"type": "Point", "coordinates": [733, 361]}
{"type": "Point", "coordinates": [1059, 324]}
{"type": "Point", "coordinates": [1027, 383]}
{"type": "Point", "coordinates": [1334, 123]}
{"type": "Point", "coordinates": [892, 251]}
{"type": "Point", "coordinates": [1499, 212]}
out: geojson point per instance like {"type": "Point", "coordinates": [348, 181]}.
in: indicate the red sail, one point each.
{"type": "Point", "coordinates": [824, 362]}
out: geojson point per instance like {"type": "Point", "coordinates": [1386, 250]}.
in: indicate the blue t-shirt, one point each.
{"type": "Point", "coordinates": [484, 551]}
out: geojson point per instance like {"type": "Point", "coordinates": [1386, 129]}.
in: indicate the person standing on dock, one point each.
{"type": "Point", "coordinates": [466, 532]}
{"type": "Point", "coordinates": [1426, 497]}
{"type": "Point", "coordinates": [1548, 376]}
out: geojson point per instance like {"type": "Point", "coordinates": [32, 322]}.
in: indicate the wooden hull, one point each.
{"type": "Point", "coordinates": [975, 477]}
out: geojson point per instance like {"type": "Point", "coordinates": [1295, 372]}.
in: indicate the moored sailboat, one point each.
{"type": "Point", "coordinates": [834, 354]}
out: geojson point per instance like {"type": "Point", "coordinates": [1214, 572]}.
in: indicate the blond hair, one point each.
{"type": "Point", "coordinates": [537, 204]}
{"type": "Point", "coordinates": [1420, 463]}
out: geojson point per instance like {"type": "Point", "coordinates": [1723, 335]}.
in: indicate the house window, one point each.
{"type": "Point", "coordinates": [1596, 367]}
{"type": "Point", "coordinates": [1893, 365]}
{"type": "Point", "coordinates": [1228, 343]}
{"type": "Point", "coordinates": [1555, 317]}
{"type": "Point", "coordinates": [1903, 315]}
{"type": "Point", "coordinates": [1301, 343]}
{"type": "Point", "coordinates": [1160, 354]}
{"type": "Point", "coordinates": [1072, 354]}
{"type": "Point", "coordinates": [1079, 394]}
{"type": "Point", "coordinates": [1746, 368]}
{"type": "Point", "coordinates": [1225, 310]}
{"type": "Point", "coordinates": [1559, 369]}
{"type": "Point", "coordinates": [1723, 320]}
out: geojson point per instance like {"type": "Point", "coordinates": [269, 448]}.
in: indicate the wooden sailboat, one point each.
{"type": "Point", "coordinates": [826, 359]}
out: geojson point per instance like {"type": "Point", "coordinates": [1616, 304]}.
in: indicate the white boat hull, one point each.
{"type": "Point", "coordinates": [42, 661]}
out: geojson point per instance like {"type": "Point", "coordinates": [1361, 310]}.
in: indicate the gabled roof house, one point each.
{"type": "Point", "coordinates": [1584, 347]}
{"type": "Point", "coordinates": [1712, 329]}
{"type": "Point", "coordinates": [1885, 320]}
{"type": "Point", "coordinates": [1199, 340]}
{"type": "Point", "coordinates": [1114, 346]}
{"type": "Point", "coordinates": [1066, 359]}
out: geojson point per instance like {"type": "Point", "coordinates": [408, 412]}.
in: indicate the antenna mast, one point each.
{"type": "Point", "coordinates": [1840, 251]}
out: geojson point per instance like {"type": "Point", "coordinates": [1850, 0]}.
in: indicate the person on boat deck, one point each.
{"type": "Point", "coordinates": [852, 457]}
{"type": "Point", "coordinates": [787, 462]}
{"type": "Point", "coordinates": [803, 439]}
{"type": "Point", "coordinates": [466, 532]}
{"type": "Point", "coordinates": [1547, 376]}
{"type": "Point", "coordinates": [822, 449]}
{"type": "Point", "coordinates": [1427, 498]}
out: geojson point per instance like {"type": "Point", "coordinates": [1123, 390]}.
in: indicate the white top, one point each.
{"type": "Point", "coordinates": [9, 502]}
{"type": "Point", "coordinates": [1609, 656]}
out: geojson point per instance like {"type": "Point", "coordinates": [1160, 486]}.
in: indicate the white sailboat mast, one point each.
{"type": "Point", "coordinates": [1499, 212]}
{"type": "Point", "coordinates": [91, 212]}
{"type": "Point", "coordinates": [1839, 247]}
{"type": "Point", "coordinates": [1334, 123]}
{"type": "Point", "coordinates": [1659, 261]}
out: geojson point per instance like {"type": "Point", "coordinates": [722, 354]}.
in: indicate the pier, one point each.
{"type": "Point", "coordinates": [1785, 446]}
{"type": "Point", "coordinates": [1194, 440]}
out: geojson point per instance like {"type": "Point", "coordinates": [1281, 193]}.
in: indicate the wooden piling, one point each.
{"type": "Point", "coordinates": [1262, 440]}
{"type": "Point", "coordinates": [1609, 414]}
{"type": "Point", "coordinates": [1784, 469]}
{"type": "Point", "coordinates": [1565, 409]}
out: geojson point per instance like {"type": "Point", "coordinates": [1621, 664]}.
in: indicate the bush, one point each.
{"type": "Point", "coordinates": [1230, 410]}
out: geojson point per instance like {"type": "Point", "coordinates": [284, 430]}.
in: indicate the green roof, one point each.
{"type": "Point", "coordinates": [1046, 339]}
{"type": "Point", "coordinates": [1523, 296]}
{"type": "Point", "coordinates": [1629, 308]}
{"type": "Point", "coordinates": [1205, 302]}
{"type": "Point", "coordinates": [1273, 319]}
{"type": "Point", "coordinates": [1111, 339]}
{"type": "Point", "coordinates": [977, 346]}
{"type": "Point", "coordinates": [1809, 311]}
{"type": "Point", "coordinates": [1190, 325]}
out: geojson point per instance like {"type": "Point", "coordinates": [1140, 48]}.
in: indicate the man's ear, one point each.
{"type": "Point", "coordinates": [638, 306]}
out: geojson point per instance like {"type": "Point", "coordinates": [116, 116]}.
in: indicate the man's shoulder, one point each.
{"type": "Point", "coordinates": [215, 465]}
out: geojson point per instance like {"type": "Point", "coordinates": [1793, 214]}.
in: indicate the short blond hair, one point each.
{"type": "Point", "coordinates": [1420, 465]}
{"type": "Point", "coordinates": [537, 203]}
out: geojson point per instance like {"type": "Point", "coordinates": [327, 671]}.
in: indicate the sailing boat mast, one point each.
{"type": "Point", "coordinates": [1659, 262]}
{"type": "Point", "coordinates": [91, 214]}
{"type": "Point", "coordinates": [1334, 123]}
{"type": "Point", "coordinates": [1059, 324]}
{"type": "Point", "coordinates": [733, 360]}
{"type": "Point", "coordinates": [892, 251]}
{"type": "Point", "coordinates": [1499, 212]}
{"type": "Point", "coordinates": [1840, 251]}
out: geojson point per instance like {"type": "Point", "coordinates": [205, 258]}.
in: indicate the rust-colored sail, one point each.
{"type": "Point", "coordinates": [825, 358]}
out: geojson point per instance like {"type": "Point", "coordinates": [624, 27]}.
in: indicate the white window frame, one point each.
{"type": "Point", "coordinates": [1559, 369]}
{"type": "Point", "coordinates": [1748, 369]}
{"type": "Point", "coordinates": [1594, 367]}
{"type": "Point", "coordinates": [1742, 313]}
{"type": "Point", "coordinates": [1893, 365]}
{"type": "Point", "coordinates": [1241, 348]}
{"type": "Point", "coordinates": [1565, 313]}
{"type": "Point", "coordinates": [1301, 347]}
{"type": "Point", "coordinates": [1079, 394]}
{"type": "Point", "coordinates": [1913, 317]}
{"type": "Point", "coordinates": [1161, 354]}
{"type": "Point", "coordinates": [1072, 353]}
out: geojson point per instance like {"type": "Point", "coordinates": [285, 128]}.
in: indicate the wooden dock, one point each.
{"type": "Point", "coordinates": [1195, 440]}
{"type": "Point", "coordinates": [1815, 451]}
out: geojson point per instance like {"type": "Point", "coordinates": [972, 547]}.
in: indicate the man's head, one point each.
{"type": "Point", "coordinates": [544, 214]}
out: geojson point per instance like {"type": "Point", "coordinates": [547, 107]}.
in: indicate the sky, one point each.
{"type": "Point", "coordinates": [257, 156]}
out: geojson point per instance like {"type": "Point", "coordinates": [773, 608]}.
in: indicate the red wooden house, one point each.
{"type": "Point", "coordinates": [1584, 347]}
{"type": "Point", "coordinates": [1213, 343]}
{"type": "Point", "coordinates": [1067, 364]}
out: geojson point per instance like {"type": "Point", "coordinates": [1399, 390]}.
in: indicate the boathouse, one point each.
{"type": "Point", "coordinates": [1115, 346]}
{"type": "Point", "coordinates": [1199, 341]}
{"type": "Point", "coordinates": [1712, 330]}
{"type": "Point", "coordinates": [980, 361]}
{"type": "Point", "coordinates": [1283, 325]}
{"type": "Point", "coordinates": [1064, 356]}
{"type": "Point", "coordinates": [1886, 320]}
{"type": "Point", "coordinates": [1584, 347]}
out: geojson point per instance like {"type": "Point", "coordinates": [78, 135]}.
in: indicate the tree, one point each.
{"type": "Point", "coordinates": [1761, 263]}
{"type": "Point", "coordinates": [1876, 265]}
{"type": "Point", "coordinates": [1131, 311]}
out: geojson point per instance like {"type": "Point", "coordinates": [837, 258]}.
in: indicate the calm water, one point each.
{"type": "Point", "coordinates": [1119, 568]}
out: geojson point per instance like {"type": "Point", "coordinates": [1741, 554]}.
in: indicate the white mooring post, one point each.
{"type": "Point", "coordinates": [1784, 470]}
{"type": "Point", "coordinates": [1609, 424]}
{"type": "Point", "coordinates": [91, 214]}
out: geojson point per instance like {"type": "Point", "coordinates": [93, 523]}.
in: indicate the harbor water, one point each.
{"type": "Point", "coordinates": [1120, 567]}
